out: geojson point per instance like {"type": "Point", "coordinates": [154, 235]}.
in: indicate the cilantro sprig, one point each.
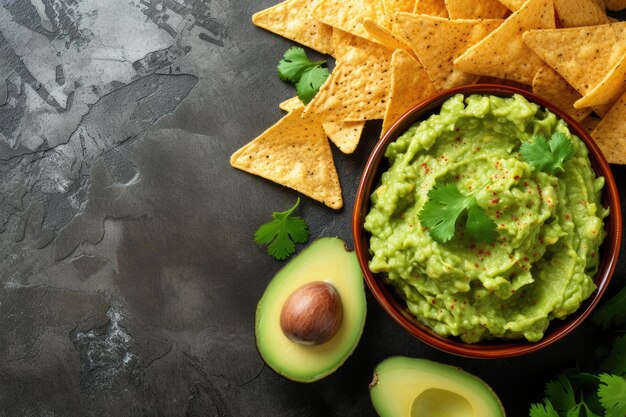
{"type": "Point", "coordinates": [445, 205]}
{"type": "Point", "coordinates": [308, 76]}
{"type": "Point", "coordinates": [282, 233]}
{"type": "Point", "coordinates": [548, 156]}
{"type": "Point", "coordinates": [599, 394]}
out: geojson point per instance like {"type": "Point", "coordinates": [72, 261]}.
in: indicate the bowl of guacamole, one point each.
{"type": "Point", "coordinates": [487, 222]}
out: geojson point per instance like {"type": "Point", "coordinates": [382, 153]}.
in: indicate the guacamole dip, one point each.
{"type": "Point", "coordinates": [549, 227]}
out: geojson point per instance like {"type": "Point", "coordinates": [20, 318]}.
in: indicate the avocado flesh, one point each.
{"type": "Point", "coordinates": [327, 260]}
{"type": "Point", "coordinates": [407, 387]}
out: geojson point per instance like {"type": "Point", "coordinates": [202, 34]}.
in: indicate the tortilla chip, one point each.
{"type": "Point", "coordinates": [550, 85]}
{"type": "Point", "coordinates": [438, 41]}
{"type": "Point", "coordinates": [503, 53]}
{"type": "Point", "coordinates": [612, 86]}
{"type": "Point", "coordinates": [601, 4]}
{"type": "Point", "coordinates": [292, 20]}
{"type": "Point", "coordinates": [615, 5]}
{"type": "Point", "coordinates": [396, 6]}
{"type": "Point", "coordinates": [502, 81]}
{"type": "Point", "coordinates": [590, 123]}
{"type": "Point", "coordinates": [610, 134]}
{"type": "Point", "coordinates": [346, 135]}
{"type": "Point", "coordinates": [583, 56]}
{"type": "Point", "coordinates": [409, 86]}
{"type": "Point", "coordinates": [341, 42]}
{"type": "Point", "coordinates": [580, 13]}
{"type": "Point", "coordinates": [431, 7]}
{"type": "Point", "coordinates": [348, 15]}
{"type": "Point", "coordinates": [357, 88]}
{"type": "Point", "coordinates": [384, 36]}
{"type": "Point", "coordinates": [291, 104]}
{"type": "Point", "coordinates": [513, 4]}
{"type": "Point", "coordinates": [294, 153]}
{"type": "Point", "coordinates": [476, 9]}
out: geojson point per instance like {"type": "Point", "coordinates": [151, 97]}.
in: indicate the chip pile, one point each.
{"type": "Point", "coordinates": [393, 54]}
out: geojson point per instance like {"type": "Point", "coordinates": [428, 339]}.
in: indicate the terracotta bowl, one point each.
{"type": "Point", "coordinates": [396, 307]}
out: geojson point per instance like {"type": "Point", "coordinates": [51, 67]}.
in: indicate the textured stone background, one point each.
{"type": "Point", "coordinates": [128, 273]}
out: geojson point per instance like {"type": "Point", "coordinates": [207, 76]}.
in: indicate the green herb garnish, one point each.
{"type": "Point", "coordinates": [548, 156]}
{"type": "Point", "coordinates": [445, 205]}
{"type": "Point", "coordinates": [297, 69]}
{"type": "Point", "coordinates": [600, 393]}
{"type": "Point", "coordinates": [281, 234]}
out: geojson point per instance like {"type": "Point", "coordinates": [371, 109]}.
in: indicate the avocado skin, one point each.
{"type": "Point", "coordinates": [402, 385]}
{"type": "Point", "coordinates": [326, 259]}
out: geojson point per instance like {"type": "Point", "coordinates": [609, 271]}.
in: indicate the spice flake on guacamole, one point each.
{"type": "Point", "coordinates": [548, 226]}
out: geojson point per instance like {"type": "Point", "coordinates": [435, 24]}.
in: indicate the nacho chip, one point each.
{"type": "Point", "coordinates": [384, 36]}
{"type": "Point", "coordinates": [503, 53]}
{"type": "Point", "coordinates": [580, 13]}
{"type": "Point", "coordinates": [342, 41]}
{"type": "Point", "coordinates": [291, 104]}
{"type": "Point", "coordinates": [610, 134]}
{"type": "Point", "coordinates": [513, 4]}
{"type": "Point", "coordinates": [292, 20]}
{"type": "Point", "coordinates": [409, 86]}
{"type": "Point", "coordinates": [346, 135]}
{"type": "Point", "coordinates": [590, 123]}
{"type": "Point", "coordinates": [476, 9]}
{"type": "Point", "coordinates": [396, 6]}
{"type": "Point", "coordinates": [431, 7]}
{"type": "Point", "coordinates": [294, 153]}
{"type": "Point", "coordinates": [601, 4]}
{"type": "Point", "coordinates": [615, 5]}
{"type": "Point", "coordinates": [550, 85]}
{"type": "Point", "coordinates": [583, 56]}
{"type": "Point", "coordinates": [357, 88]}
{"type": "Point", "coordinates": [348, 15]}
{"type": "Point", "coordinates": [609, 89]}
{"type": "Point", "coordinates": [438, 41]}
{"type": "Point", "coordinates": [502, 81]}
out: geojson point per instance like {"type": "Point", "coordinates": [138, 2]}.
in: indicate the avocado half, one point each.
{"type": "Point", "coordinates": [408, 387]}
{"type": "Point", "coordinates": [325, 260]}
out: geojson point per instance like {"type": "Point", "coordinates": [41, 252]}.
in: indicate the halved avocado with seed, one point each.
{"type": "Point", "coordinates": [407, 387]}
{"type": "Point", "coordinates": [312, 314]}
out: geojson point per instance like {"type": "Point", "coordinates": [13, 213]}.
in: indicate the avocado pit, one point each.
{"type": "Point", "coordinates": [312, 314]}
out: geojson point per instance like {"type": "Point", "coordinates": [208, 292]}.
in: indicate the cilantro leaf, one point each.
{"type": "Point", "coordinates": [615, 362]}
{"type": "Point", "coordinates": [612, 392]}
{"type": "Point", "coordinates": [294, 64]}
{"type": "Point", "coordinates": [612, 310]}
{"type": "Point", "coordinates": [561, 394]}
{"type": "Point", "coordinates": [548, 156]}
{"type": "Point", "coordinates": [310, 83]}
{"type": "Point", "coordinates": [282, 233]}
{"type": "Point", "coordinates": [543, 410]}
{"type": "Point", "coordinates": [308, 76]}
{"type": "Point", "coordinates": [444, 206]}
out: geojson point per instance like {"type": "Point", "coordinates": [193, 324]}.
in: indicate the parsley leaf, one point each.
{"type": "Point", "coordinates": [612, 392]}
{"type": "Point", "coordinates": [282, 233]}
{"type": "Point", "coordinates": [297, 69]}
{"type": "Point", "coordinates": [548, 156]}
{"type": "Point", "coordinates": [612, 310]}
{"type": "Point", "coordinates": [444, 206]}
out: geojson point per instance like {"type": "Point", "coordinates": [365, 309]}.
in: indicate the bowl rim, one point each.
{"type": "Point", "coordinates": [491, 350]}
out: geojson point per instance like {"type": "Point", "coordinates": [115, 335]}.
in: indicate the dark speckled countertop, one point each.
{"type": "Point", "coordinates": [128, 273]}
